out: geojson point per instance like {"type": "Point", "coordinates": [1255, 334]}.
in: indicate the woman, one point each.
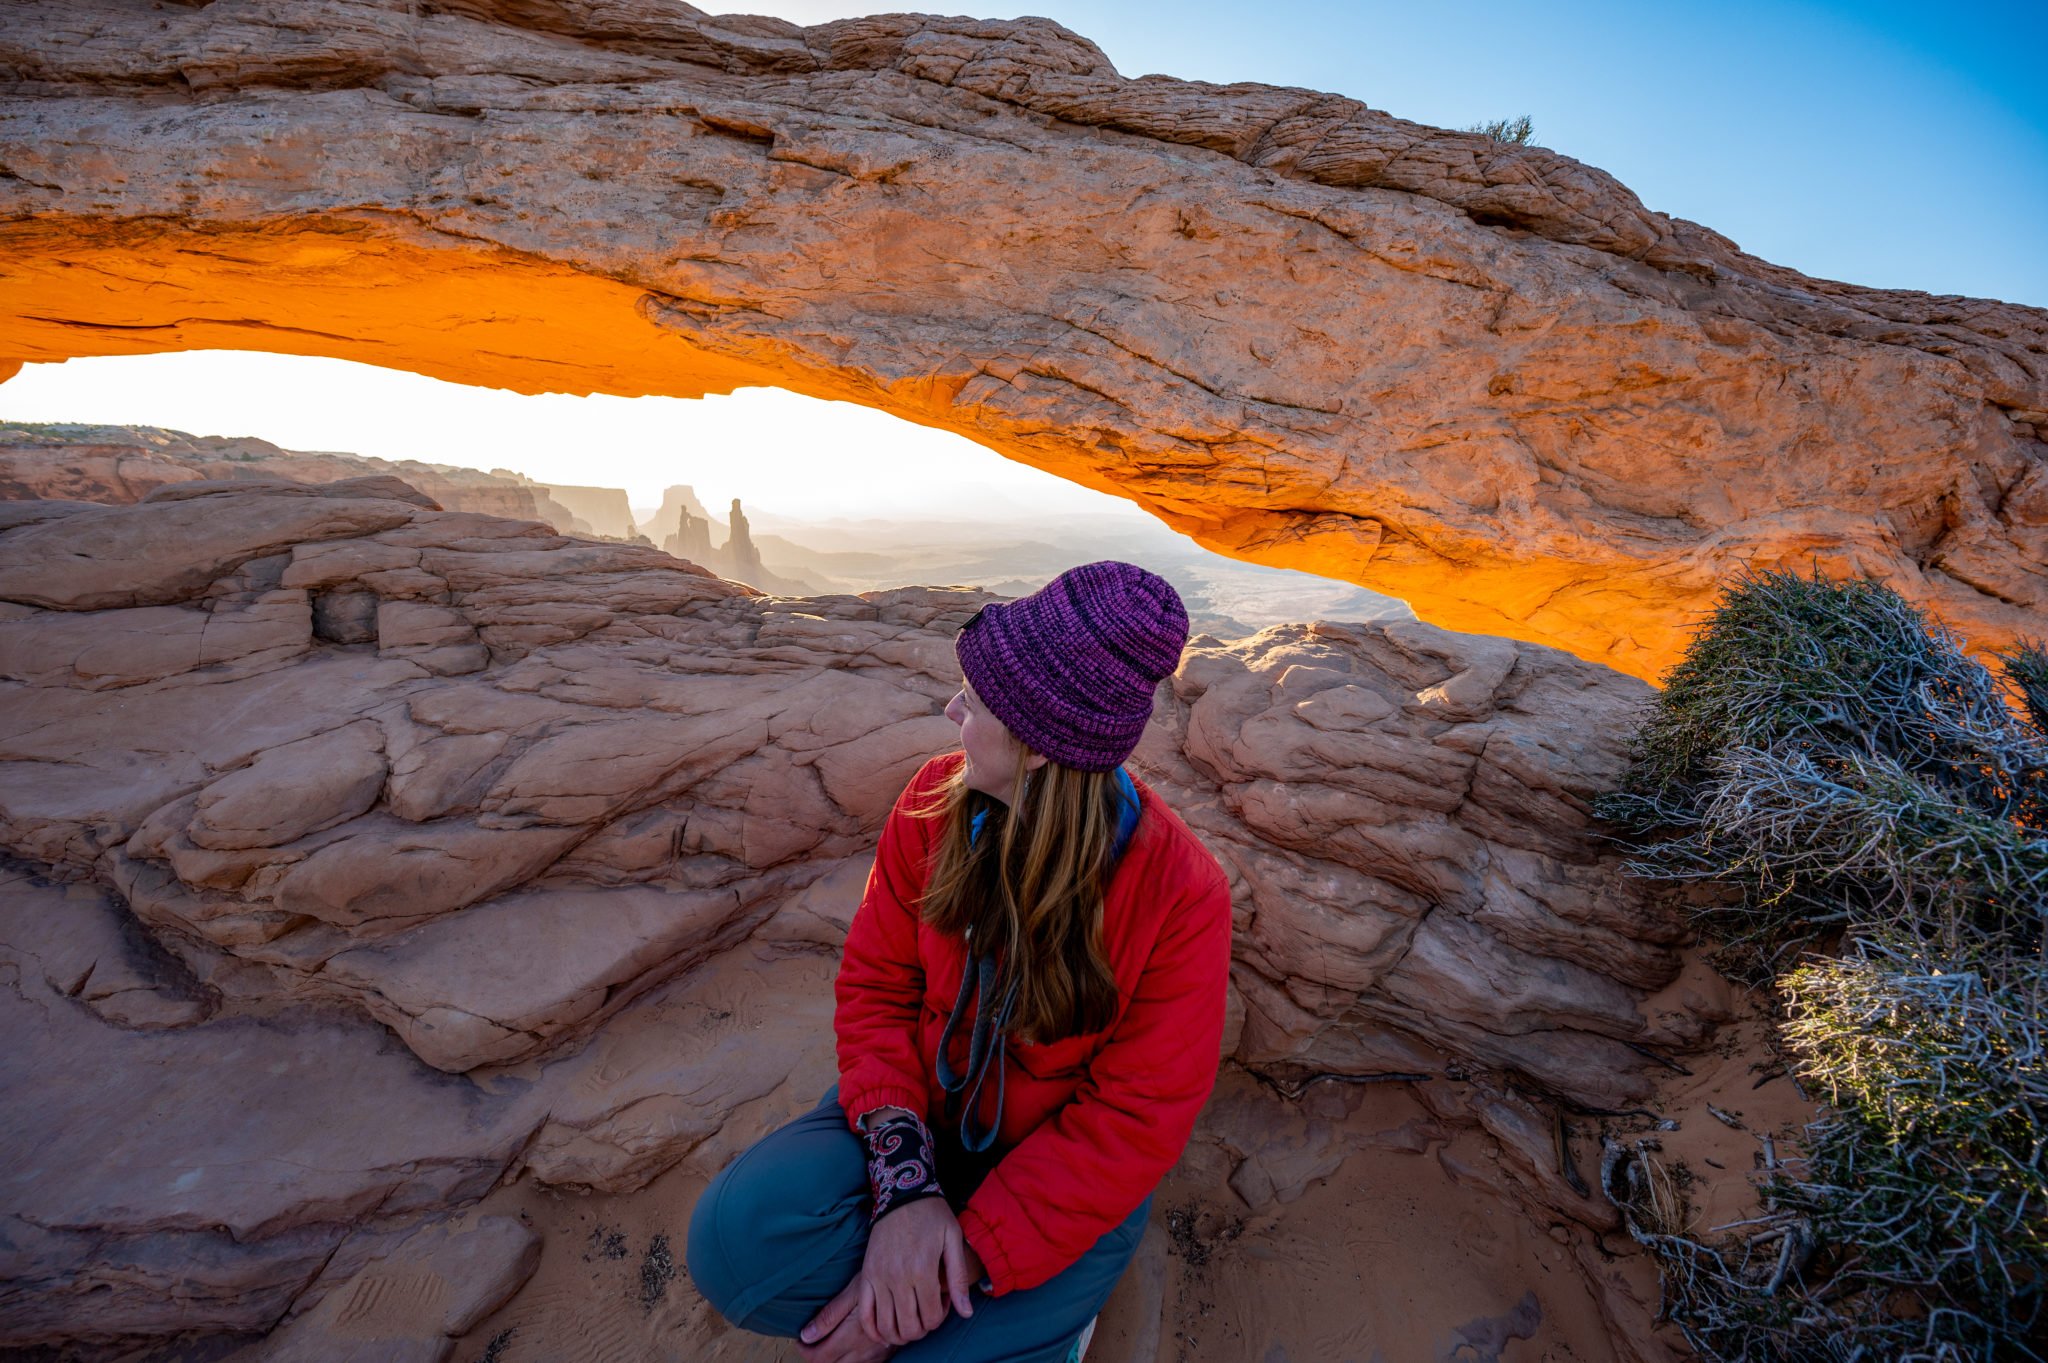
{"type": "Point", "coordinates": [1030, 1006]}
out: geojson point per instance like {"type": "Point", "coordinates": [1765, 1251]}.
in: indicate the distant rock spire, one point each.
{"type": "Point", "coordinates": [743, 560]}
{"type": "Point", "coordinates": [692, 539]}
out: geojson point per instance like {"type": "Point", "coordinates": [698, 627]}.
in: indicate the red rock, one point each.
{"type": "Point", "coordinates": [1406, 808]}
{"type": "Point", "coordinates": [407, 1303]}
{"type": "Point", "coordinates": [1481, 378]}
{"type": "Point", "coordinates": [572, 913]}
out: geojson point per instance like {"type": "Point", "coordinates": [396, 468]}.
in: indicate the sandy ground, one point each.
{"type": "Point", "coordinates": [1389, 1258]}
{"type": "Point", "coordinates": [1390, 1241]}
{"type": "Point", "coordinates": [1761, 1114]}
{"type": "Point", "coordinates": [1355, 1224]}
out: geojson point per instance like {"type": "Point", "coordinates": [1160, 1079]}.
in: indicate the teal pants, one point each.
{"type": "Point", "coordinates": [785, 1226]}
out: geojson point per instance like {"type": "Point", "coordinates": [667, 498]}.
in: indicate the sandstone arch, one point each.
{"type": "Point", "coordinates": [1485, 379]}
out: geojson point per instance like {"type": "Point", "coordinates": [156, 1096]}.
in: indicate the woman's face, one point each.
{"type": "Point", "coordinates": [992, 751]}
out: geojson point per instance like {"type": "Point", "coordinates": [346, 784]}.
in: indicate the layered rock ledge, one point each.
{"type": "Point", "coordinates": [438, 850]}
{"type": "Point", "coordinates": [1482, 378]}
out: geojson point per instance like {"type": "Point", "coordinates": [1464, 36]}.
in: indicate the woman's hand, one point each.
{"type": "Point", "coordinates": [917, 1259]}
{"type": "Point", "coordinates": [836, 1334]}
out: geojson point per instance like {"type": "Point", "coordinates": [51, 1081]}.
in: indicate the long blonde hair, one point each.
{"type": "Point", "coordinates": [1031, 888]}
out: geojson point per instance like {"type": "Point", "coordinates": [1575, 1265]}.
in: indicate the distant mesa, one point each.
{"type": "Point", "coordinates": [106, 464]}
{"type": "Point", "coordinates": [117, 465]}
{"type": "Point", "coordinates": [599, 511]}
{"type": "Point", "coordinates": [120, 464]}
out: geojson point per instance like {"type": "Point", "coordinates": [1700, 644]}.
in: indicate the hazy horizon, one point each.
{"type": "Point", "coordinates": [1007, 551]}
{"type": "Point", "coordinates": [796, 456]}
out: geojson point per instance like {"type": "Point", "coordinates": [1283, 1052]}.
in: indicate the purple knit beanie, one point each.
{"type": "Point", "coordinates": [1071, 668]}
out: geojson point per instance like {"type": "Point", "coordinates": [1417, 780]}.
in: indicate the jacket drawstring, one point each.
{"type": "Point", "coordinates": [980, 976]}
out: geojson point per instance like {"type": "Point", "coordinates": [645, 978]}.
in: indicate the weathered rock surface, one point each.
{"type": "Point", "coordinates": [165, 1174]}
{"type": "Point", "coordinates": [624, 763]}
{"type": "Point", "coordinates": [411, 1300]}
{"type": "Point", "coordinates": [1482, 378]}
{"type": "Point", "coordinates": [191, 1162]}
{"type": "Point", "coordinates": [592, 879]}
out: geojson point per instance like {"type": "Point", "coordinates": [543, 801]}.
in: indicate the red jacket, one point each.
{"type": "Point", "coordinates": [1090, 1123]}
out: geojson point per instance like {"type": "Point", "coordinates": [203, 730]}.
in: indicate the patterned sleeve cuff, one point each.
{"type": "Point", "coordinates": [902, 1165]}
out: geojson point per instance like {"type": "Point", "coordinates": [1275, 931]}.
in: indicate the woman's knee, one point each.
{"type": "Point", "coordinates": [739, 1224]}
{"type": "Point", "coordinates": [776, 1208]}
{"type": "Point", "coordinates": [715, 1254]}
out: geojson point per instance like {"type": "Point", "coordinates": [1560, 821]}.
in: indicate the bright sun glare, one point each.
{"type": "Point", "coordinates": [794, 456]}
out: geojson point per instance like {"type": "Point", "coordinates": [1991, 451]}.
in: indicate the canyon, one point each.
{"type": "Point", "coordinates": [117, 464]}
{"type": "Point", "coordinates": [287, 769]}
{"type": "Point", "coordinates": [409, 901]}
{"type": "Point", "coordinates": [1018, 554]}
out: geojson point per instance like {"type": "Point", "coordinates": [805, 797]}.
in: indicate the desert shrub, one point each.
{"type": "Point", "coordinates": [1516, 130]}
{"type": "Point", "coordinates": [1859, 783]}
{"type": "Point", "coordinates": [1742, 1297]}
{"type": "Point", "coordinates": [1825, 750]}
{"type": "Point", "coordinates": [1927, 1175]}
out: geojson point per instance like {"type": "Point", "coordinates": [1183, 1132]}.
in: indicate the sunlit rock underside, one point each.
{"type": "Point", "coordinates": [1480, 377]}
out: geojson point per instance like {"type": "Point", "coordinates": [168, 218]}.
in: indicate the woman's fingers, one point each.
{"type": "Point", "coordinates": [917, 1262]}
{"type": "Point", "coordinates": [828, 1318]}
{"type": "Point", "coordinates": [846, 1339]}
{"type": "Point", "coordinates": [870, 1308]}
{"type": "Point", "coordinates": [911, 1321]}
{"type": "Point", "coordinates": [848, 1344]}
{"type": "Point", "coordinates": [889, 1309]}
{"type": "Point", "coordinates": [954, 1256]}
{"type": "Point", "coordinates": [931, 1301]}
{"type": "Point", "coordinates": [829, 1349]}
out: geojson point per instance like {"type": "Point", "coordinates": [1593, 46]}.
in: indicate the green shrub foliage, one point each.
{"type": "Point", "coordinates": [1927, 1173]}
{"type": "Point", "coordinates": [1827, 751]}
{"type": "Point", "coordinates": [1515, 131]}
{"type": "Point", "coordinates": [1863, 787]}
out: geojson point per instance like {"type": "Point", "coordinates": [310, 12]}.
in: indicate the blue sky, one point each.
{"type": "Point", "coordinates": [1903, 146]}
